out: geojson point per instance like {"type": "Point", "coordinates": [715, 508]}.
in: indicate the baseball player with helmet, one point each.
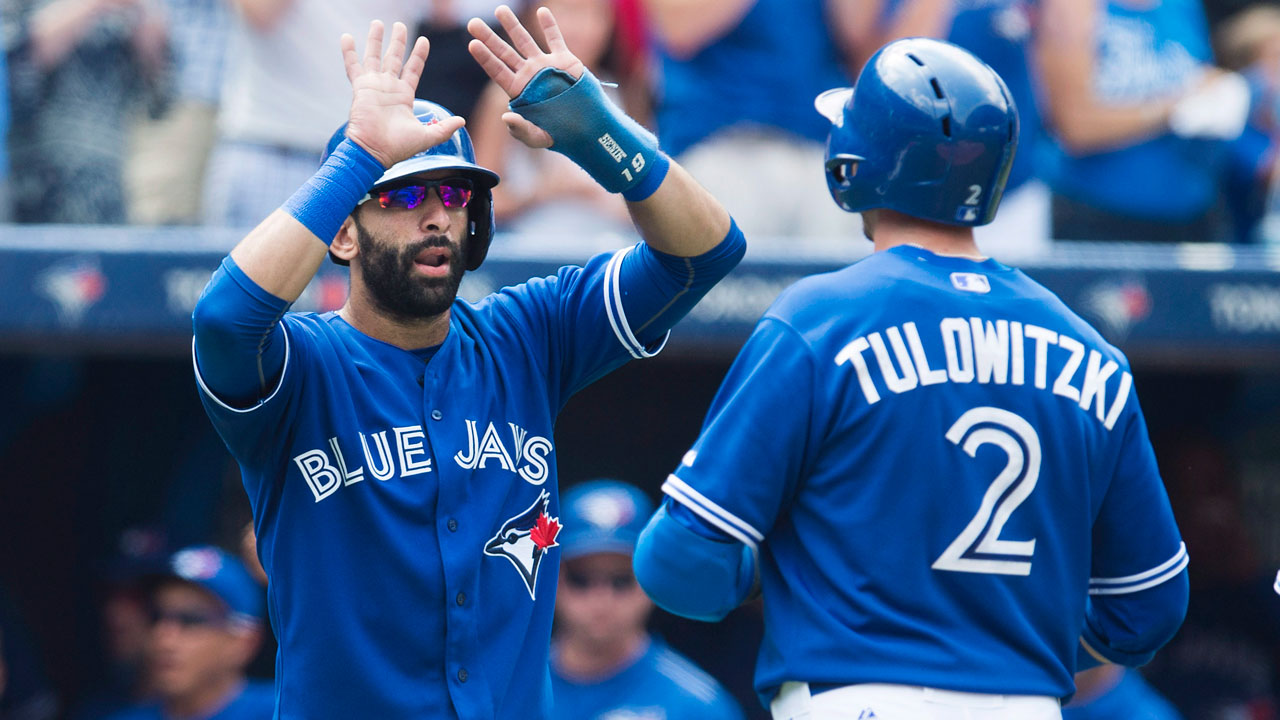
{"type": "Point", "coordinates": [398, 453]}
{"type": "Point", "coordinates": [936, 472]}
{"type": "Point", "coordinates": [604, 664]}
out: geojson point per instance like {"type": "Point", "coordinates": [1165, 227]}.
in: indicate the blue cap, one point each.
{"type": "Point", "coordinates": [221, 574]}
{"type": "Point", "coordinates": [602, 516]}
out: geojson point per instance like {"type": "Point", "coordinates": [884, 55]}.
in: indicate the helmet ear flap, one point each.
{"type": "Point", "coordinates": [480, 222]}
{"type": "Point", "coordinates": [841, 168]}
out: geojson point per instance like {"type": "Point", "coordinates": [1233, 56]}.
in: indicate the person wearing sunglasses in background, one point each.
{"type": "Point", "coordinates": [398, 453]}
{"type": "Point", "coordinates": [206, 623]}
{"type": "Point", "coordinates": [604, 663]}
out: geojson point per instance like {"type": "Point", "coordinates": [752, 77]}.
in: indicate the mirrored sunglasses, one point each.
{"type": "Point", "coordinates": [454, 192]}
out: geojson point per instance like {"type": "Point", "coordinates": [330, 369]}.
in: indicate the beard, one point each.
{"type": "Point", "coordinates": [395, 288]}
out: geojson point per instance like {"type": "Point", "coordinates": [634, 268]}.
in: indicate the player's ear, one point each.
{"type": "Point", "coordinates": [344, 246]}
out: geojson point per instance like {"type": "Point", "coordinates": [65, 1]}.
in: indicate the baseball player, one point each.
{"type": "Point", "coordinates": [938, 474]}
{"type": "Point", "coordinates": [604, 664]}
{"type": "Point", "coordinates": [398, 454]}
{"type": "Point", "coordinates": [206, 625]}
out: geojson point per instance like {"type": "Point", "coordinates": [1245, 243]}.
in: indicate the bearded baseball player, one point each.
{"type": "Point", "coordinates": [937, 473]}
{"type": "Point", "coordinates": [398, 453]}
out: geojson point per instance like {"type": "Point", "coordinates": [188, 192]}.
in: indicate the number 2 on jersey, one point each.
{"type": "Point", "coordinates": [978, 548]}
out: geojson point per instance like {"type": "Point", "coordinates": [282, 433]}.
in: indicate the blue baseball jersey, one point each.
{"type": "Point", "coordinates": [660, 684]}
{"type": "Point", "coordinates": [1131, 699]}
{"type": "Point", "coordinates": [938, 462]}
{"type": "Point", "coordinates": [406, 503]}
{"type": "Point", "coordinates": [253, 701]}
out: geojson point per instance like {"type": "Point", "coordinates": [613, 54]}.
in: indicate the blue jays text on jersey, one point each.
{"type": "Point", "coordinates": [406, 503]}
{"type": "Point", "coordinates": [938, 463]}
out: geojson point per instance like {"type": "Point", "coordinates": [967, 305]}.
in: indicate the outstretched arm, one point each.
{"type": "Point", "coordinates": [557, 104]}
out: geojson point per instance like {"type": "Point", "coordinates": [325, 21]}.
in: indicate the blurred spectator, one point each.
{"type": "Point", "coordinates": [1143, 122]}
{"type": "Point", "coordinates": [456, 80]}
{"type": "Point", "coordinates": [1225, 661]}
{"type": "Point", "coordinates": [281, 99]}
{"type": "Point", "coordinates": [169, 154]}
{"type": "Point", "coordinates": [546, 195]}
{"type": "Point", "coordinates": [1249, 42]}
{"type": "Point", "coordinates": [79, 71]}
{"type": "Point", "coordinates": [141, 552]}
{"type": "Point", "coordinates": [1000, 33]}
{"type": "Point", "coordinates": [603, 663]}
{"type": "Point", "coordinates": [24, 692]}
{"type": "Point", "coordinates": [1112, 692]}
{"type": "Point", "coordinates": [206, 624]}
{"type": "Point", "coordinates": [737, 82]}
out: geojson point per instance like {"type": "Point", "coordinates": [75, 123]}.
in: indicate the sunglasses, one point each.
{"type": "Point", "coordinates": [617, 582]}
{"type": "Point", "coordinates": [454, 192]}
{"type": "Point", "coordinates": [187, 619]}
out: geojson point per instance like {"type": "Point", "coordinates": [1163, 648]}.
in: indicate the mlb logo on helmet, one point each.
{"type": "Point", "coordinates": [197, 563]}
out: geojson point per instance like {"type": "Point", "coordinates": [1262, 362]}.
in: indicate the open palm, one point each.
{"type": "Point", "coordinates": [383, 85]}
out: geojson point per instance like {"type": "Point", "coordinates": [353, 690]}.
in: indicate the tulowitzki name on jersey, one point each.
{"type": "Point", "coordinates": [404, 451]}
{"type": "Point", "coordinates": [1002, 352]}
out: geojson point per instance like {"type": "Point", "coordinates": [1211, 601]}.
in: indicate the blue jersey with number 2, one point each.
{"type": "Point", "coordinates": [938, 462]}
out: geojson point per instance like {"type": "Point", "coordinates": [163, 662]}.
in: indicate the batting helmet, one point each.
{"type": "Point", "coordinates": [928, 130]}
{"type": "Point", "coordinates": [456, 153]}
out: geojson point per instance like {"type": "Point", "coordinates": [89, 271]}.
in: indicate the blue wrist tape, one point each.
{"type": "Point", "coordinates": [325, 201]}
{"type": "Point", "coordinates": [589, 129]}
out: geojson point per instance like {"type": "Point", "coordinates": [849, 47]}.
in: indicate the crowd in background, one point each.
{"type": "Point", "coordinates": [1141, 120]}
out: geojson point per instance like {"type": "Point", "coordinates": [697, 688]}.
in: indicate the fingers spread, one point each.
{"type": "Point", "coordinates": [519, 36]}
{"type": "Point", "coordinates": [373, 46]}
{"type": "Point", "coordinates": [393, 60]}
{"type": "Point", "coordinates": [496, 45]}
{"type": "Point", "coordinates": [551, 31]}
{"type": "Point", "coordinates": [417, 60]}
{"type": "Point", "coordinates": [493, 67]}
{"type": "Point", "coordinates": [349, 56]}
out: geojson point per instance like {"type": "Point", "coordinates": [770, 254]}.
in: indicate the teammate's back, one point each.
{"type": "Point", "coordinates": [970, 550]}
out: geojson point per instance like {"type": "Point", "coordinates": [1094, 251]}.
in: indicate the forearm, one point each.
{"type": "Point", "coordinates": [1128, 629]}
{"type": "Point", "coordinates": [57, 28]}
{"type": "Point", "coordinates": [687, 26]}
{"type": "Point", "coordinates": [281, 255]}
{"type": "Point", "coordinates": [680, 218]}
{"type": "Point", "coordinates": [690, 569]}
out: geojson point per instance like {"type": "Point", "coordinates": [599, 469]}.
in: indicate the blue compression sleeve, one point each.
{"type": "Point", "coordinates": [1128, 629]}
{"type": "Point", "coordinates": [688, 570]}
{"type": "Point", "coordinates": [662, 288]}
{"type": "Point", "coordinates": [239, 344]}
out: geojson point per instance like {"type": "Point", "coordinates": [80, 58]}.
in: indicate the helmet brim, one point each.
{"type": "Point", "coordinates": [830, 104]}
{"type": "Point", "coordinates": [430, 163]}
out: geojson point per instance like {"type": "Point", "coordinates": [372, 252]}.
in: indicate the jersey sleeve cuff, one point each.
{"type": "Point", "coordinates": [618, 316]}
{"type": "Point", "coordinates": [708, 510]}
{"type": "Point", "coordinates": [204, 388]}
{"type": "Point", "coordinates": [1143, 580]}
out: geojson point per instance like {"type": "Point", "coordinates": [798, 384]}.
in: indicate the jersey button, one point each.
{"type": "Point", "coordinates": [462, 674]}
{"type": "Point", "coordinates": [436, 415]}
{"type": "Point", "coordinates": [453, 525]}
{"type": "Point", "coordinates": [462, 598]}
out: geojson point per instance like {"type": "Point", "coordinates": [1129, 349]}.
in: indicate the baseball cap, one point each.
{"type": "Point", "coordinates": [221, 574]}
{"type": "Point", "coordinates": [602, 515]}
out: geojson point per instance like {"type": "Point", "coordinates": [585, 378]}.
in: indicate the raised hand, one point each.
{"type": "Point", "coordinates": [511, 68]}
{"type": "Point", "coordinates": [382, 89]}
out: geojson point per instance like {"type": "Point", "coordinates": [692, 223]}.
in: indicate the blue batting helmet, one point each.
{"type": "Point", "coordinates": [456, 153]}
{"type": "Point", "coordinates": [928, 130]}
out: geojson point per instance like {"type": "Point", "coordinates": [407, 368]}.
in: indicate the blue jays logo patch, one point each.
{"type": "Point", "coordinates": [525, 539]}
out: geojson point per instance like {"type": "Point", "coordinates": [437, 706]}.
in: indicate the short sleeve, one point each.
{"type": "Point", "coordinates": [756, 439]}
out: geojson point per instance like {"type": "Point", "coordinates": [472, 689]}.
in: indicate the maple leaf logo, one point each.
{"type": "Point", "coordinates": [545, 531]}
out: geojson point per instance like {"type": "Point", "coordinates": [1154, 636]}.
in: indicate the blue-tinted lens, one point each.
{"type": "Point", "coordinates": [409, 197]}
{"type": "Point", "coordinates": [453, 194]}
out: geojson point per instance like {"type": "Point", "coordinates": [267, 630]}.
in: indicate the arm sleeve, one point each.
{"type": "Point", "coordinates": [239, 341]}
{"type": "Point", "coordinates": [757, 438]}
{"type": "Point", "coordinates": [1138, 583]}
{"type": "Point", "coordinates": [691, 569]}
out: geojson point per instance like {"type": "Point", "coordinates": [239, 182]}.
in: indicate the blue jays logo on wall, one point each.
{"type": "Point", "coordinates": [525, 539]}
